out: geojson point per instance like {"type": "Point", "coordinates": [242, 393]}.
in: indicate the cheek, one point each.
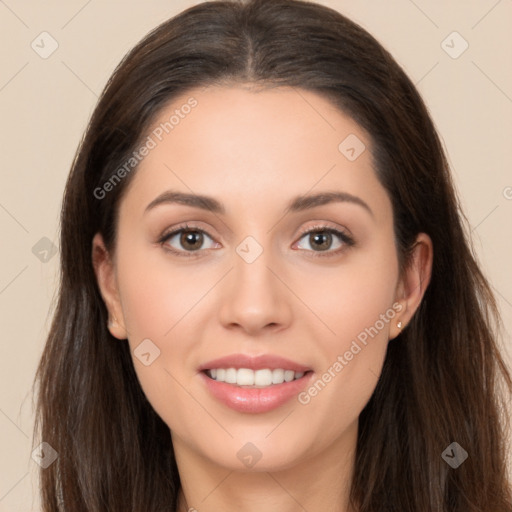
{"type": "Point", "coordinates": [161, 302]}
{"type": "Point", "coordinates": [155, 292]}
{"type": "Point", "coordinates": [357, 303]}
{"type": "Point", "coordinates": [352, 297]}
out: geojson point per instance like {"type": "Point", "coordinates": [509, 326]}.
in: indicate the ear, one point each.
{"type": "Point", "coordinates": [413, 283]}
{"type": "Point", "coordinates": [107, 283]}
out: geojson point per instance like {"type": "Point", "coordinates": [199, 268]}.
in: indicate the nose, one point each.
{"type": "Point", "coordinates": [255, 299]}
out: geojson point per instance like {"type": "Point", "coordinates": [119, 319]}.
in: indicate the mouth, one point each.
{"type": "Point", "coordinates": [254, 379]}
{"type": "Point", "coordinates": [255, 398]}
{"type": "Point", "coordinates": [254, 384]}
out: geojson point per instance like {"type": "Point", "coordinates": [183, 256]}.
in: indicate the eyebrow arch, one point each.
{"type": "Point", "coordinates": [193, 200]}
{"type": "Point", "coordinates": [307, 201]}
{"type": "Point", "coordinates": [297, 204]}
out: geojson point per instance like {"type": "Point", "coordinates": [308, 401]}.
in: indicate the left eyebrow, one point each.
{"type": "Point", "coordinates": [297, 204]}
{"type": "Point", "coordinates": [306, 202]}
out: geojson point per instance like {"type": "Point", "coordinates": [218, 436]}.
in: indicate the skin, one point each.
{"type": "Point", "coordinates": [255, 150]}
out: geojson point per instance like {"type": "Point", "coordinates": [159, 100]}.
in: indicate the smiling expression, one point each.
{"type": "Point", "coordinates": [248, 231]}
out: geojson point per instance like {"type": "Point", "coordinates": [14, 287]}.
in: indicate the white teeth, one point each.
{"type": "Point", "coordinates": [230, 376]}
{"type": "Point", "coordinates": [257, 378]}
{"type": "Point", "coordinates": [288, 375]}
{"type": "Point", "coordinates": [245, 377]}
{"type": "Point", "coordinates": [263, 377]}
{"type": "Point", "coordinates": [277, 376]}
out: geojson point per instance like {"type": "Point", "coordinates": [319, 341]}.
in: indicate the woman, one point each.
{"type": "Point", "coordinates": [267, 296]}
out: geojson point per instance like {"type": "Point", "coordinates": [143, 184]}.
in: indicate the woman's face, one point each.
{"type": "Point", "coordinates": [248, 283]}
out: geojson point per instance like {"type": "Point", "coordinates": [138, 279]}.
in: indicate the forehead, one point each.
{"type": "Point", "coordinates": [257, 146]}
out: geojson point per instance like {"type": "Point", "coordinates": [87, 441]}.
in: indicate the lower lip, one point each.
{"type": "Point", "coordinates": [255, 400]}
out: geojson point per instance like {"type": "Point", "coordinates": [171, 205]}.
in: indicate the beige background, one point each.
{"type": "Point", "coordinates": [45, 105]}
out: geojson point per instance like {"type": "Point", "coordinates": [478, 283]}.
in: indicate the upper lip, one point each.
{"type": "Point", "coordinates": [260, 362]}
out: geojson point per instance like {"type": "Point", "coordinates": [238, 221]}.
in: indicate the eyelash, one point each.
{"type": "Point", "coordinates": [346, 239]}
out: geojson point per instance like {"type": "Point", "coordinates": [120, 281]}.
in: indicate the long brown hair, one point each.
{"type": "Point", "coordinates": [443, 379]}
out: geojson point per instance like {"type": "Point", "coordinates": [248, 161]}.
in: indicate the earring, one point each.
{"type": "Point", "coordinates": [399, 325]}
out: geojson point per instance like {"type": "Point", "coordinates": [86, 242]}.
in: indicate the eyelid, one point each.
{"type": "Point", "coordinates": [342, 233]}
{"type": "Point", "coordinates": [323, 226]}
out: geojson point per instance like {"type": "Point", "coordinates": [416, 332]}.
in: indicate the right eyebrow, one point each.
{"type": "Point", "coordinates": [194, 200]}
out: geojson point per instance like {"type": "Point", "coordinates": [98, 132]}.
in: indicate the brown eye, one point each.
{"type": "Point", "coordinates": [186, 240]}
{"type": "Point", "coordinates": [191, 240]}
{"type": "Point", "coordinates": [320, 239]}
